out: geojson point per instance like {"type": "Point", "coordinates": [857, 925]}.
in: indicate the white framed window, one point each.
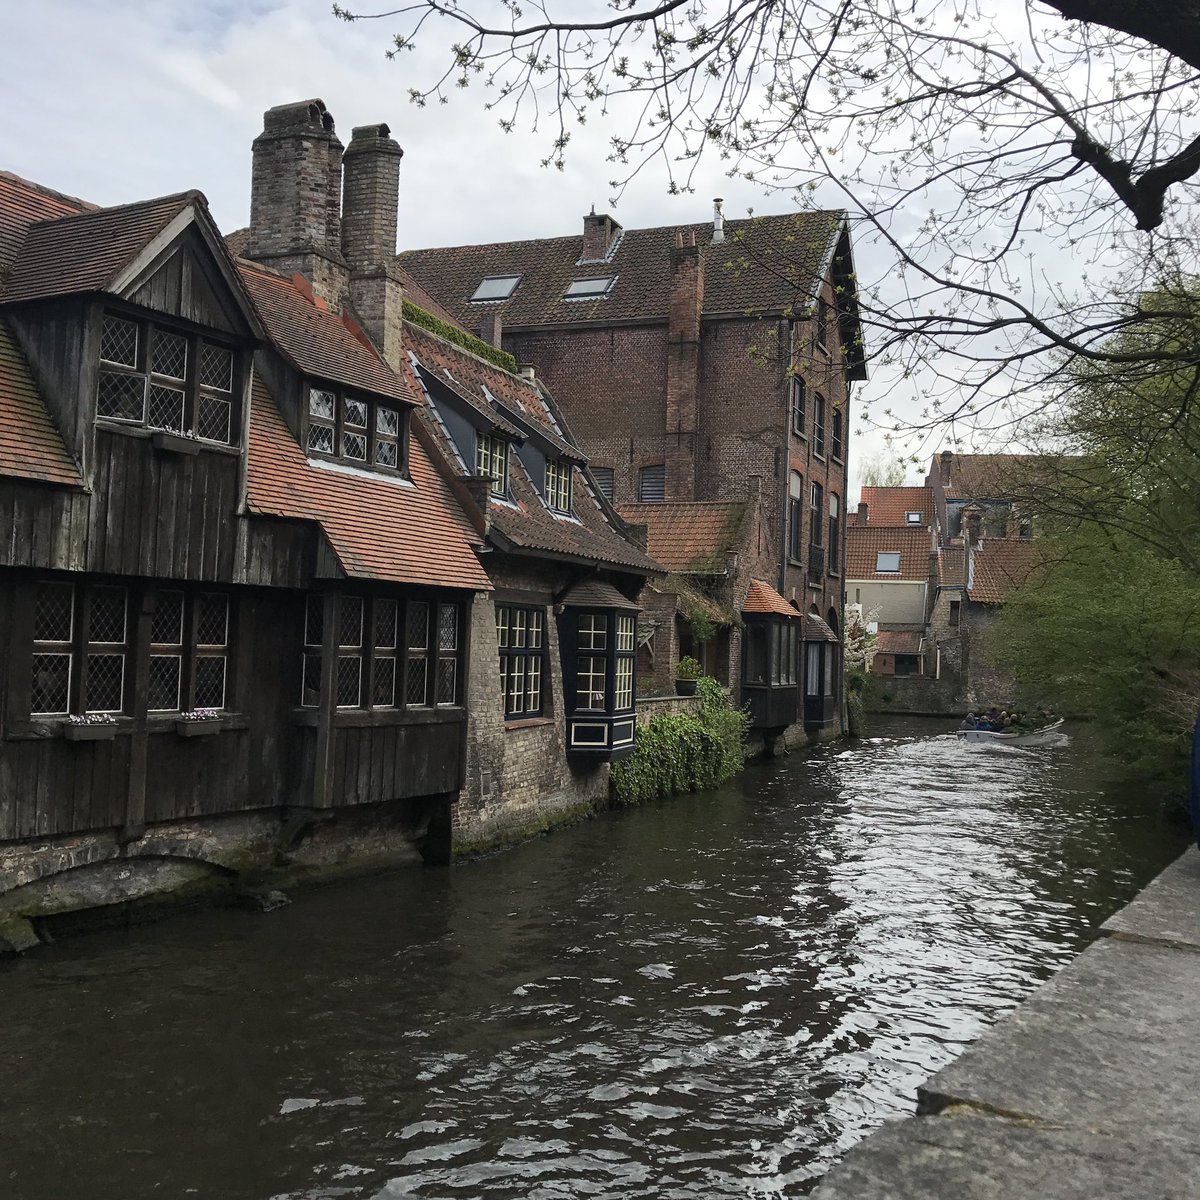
{"type": "Point", "coordinates": [887, 561]}
{"type": "Point", "coordinates": [491, 460]}
{"type": "Point", "coordinates": [558, 484]}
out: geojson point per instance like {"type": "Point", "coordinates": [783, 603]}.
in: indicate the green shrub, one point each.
{"type": "Point", "coordinates": [688, 668]}
{"type": "Point", "coordinates": [684, 752]}
{"type": "Point", "coordinates": [460, 337]}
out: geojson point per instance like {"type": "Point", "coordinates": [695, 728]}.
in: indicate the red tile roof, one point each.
{"type": "Point", "coordinates": [379, 528]}
{"type": "Point", "coordinates": [84, 252]}
{"type": "Point", "coordinates": [30, 445]}
{"type": "Point", "coordinates": [766, 264]}
{"type": "Point", "coordinates": [887, 506]}
{"type": "Point", "coordinates": [898, 641]}
{"type": "Point", "coordinates": [982, 476]}
{"type": "Point", "coordinates": [524, 522]}
{"type": "Point", "coordinates": [864, 543]}
{"type": "Point", "coordinates": [951, 566]}
{"type": "Point", "coordinates": [689, 537]}
{"type": "Point", "coordinates": [763, 598]}
{"type": "Point", "coordinates": [998, 565]}
{"type": "Point", "coordinates": [319, 342]}
{"type": "Point", "coordinates": [22, 203]}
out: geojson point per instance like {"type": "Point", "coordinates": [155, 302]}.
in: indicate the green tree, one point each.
{"type": "Point", "coordinates": [1110, 625]}
{"type": "Point", "coordinates": [883, 470]}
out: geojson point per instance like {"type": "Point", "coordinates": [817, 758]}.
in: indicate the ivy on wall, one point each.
{"type": "Point", "coordinates": [477, 346]}
{"type": "Point", "coordinates": [684, 752]}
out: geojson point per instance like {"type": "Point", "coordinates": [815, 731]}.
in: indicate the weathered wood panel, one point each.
{"type": "Point", "coordinates": [185, 284]}
{"type": "Point", "coordinates": [160, 514]}
{"type": "Point", "coordinates": [391, 762]}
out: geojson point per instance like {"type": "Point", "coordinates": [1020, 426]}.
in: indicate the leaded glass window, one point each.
{"type": "Point", "coordinates": [390, 652]}
{"type": "Point", "coordinates": [80, 647]}
{"type": "Point", "coordinates": [189, 651]}
{"type": "Point", "coordinates": [355, 428]}
{"type": "Point", "coordinates": [164, 379]}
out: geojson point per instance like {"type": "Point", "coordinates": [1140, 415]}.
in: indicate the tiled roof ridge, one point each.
{"type": "Point", "coordinates": [469, 353]}
{"type": "Point", "coordinates": [668, 231]}
{"type": "Point", "coordinates": [192, 194]}
{"type": "Point", "coordinates": [49, 192]}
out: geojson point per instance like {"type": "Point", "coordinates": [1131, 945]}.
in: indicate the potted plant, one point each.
{"type": "Point", "coordinates": [90, 727]}
{"type": "Point", "coordinates": [687, 671]}
{"type": "Point", "coordinates": [198, 722]}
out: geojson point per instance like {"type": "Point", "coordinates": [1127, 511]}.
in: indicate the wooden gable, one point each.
{"type": "Point", "coordinates": [184, 280]}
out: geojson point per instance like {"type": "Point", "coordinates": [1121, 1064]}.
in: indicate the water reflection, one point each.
{"type": "Point", "coordinates": [714, 996]}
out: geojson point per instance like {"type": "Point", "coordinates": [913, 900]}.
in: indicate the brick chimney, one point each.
{"type": "Point", "coordinates": [491, 328]}
{"type": "Point", "coordinates": [864, 512]}
{"type": "Point", "coordinates": [296, 196]}
{"type": "Point", "coordinates": [945, 466]}
{"type": "Point", "coordinates": [683, 363]}
{"type": "Point", "coordinates": [370, 197]}
{"type": "Point", "coordinates": [599, 233]}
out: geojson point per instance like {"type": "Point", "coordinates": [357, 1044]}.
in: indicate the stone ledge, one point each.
{"type": "Point", "coordinates": [988, 1158]}
{"type": "Point", "coordinates": [1167, 910]}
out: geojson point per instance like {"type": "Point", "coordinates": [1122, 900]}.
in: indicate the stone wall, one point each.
{"type": "Point", "coordinates": [917, 695]}
{"type": "Point", "coordinates": [519, 779]}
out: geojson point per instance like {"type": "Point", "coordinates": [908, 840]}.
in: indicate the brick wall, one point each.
{"type": "Point", "coordinates": [519, 779]}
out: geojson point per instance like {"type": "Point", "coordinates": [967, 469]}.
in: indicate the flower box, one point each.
{"type": "Point", "coordinates": [174, 443]}
{"type": "Point", "coordinates": [100, 732]}
{"type": "Point", "coordinates": [197, 726]}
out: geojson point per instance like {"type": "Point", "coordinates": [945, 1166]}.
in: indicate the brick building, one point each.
{"type": "Point", "coordinates": [692, 362]}
{"type": "Point", "coordinates": [934, 564]}
{"type": "Point", "coordinates": [266, 600]}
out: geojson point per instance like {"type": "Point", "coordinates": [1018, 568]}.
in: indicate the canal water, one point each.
{"type": "Point", "coordinates": [712, 996]}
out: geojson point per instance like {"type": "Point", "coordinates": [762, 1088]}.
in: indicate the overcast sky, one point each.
{"type": "Point", "coordinates": [119, 100]}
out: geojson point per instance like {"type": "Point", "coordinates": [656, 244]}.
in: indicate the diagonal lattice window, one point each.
{"type": "Point", "coordinates": [105, 683]}
{"type": "Point", "coordinates": [53, 612]}
{"type": "Point", "coordinates": [166, 626]}
{"type": "Point", "coordinates": [214, 419]}
{"type": "Point", "coordinates": [119, 341]}
{"type": "Point", "coordinates": [51, 694]}
{"type": "Point", "coordinates": [164, 408]}
{"type": "Point", "coordinates": [121, 397]}
{"type": "Point", "coordinates": [170, 355]}
{"type": "Point", "coordinates": [216, 367]}
{"type": "Point", "coordinates": [212, 619]}
{"type": "Point", "coordinates": [106, 619]}
{"type": "Point", "coordinates": [164, 681]}
{"type": "Point", "coordinates": [210, 681]}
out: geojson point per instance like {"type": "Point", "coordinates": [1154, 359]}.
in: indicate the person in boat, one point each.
{"type": "Point", "coordinates": [969, 722]}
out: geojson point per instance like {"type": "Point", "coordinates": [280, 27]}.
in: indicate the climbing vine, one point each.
{"type": "Point", "coordinates": [460, 337]}
{"type": "Point", "coordinates": [684, 752]}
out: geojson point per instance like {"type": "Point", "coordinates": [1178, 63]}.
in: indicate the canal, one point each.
{"type": "Point", "coordinates": [712, 996]}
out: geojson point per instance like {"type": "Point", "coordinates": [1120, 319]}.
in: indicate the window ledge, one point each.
{"type": "Point", "coordinates": [171, 722]}
{"type": "Point", "coordinates": [528, 723]}
{"type": "Point", "coordinates": [174, 443]}
{"type": "Point", "coordinates": [145, 434]}
{"type": "Point", "coordinates": [359, 718]}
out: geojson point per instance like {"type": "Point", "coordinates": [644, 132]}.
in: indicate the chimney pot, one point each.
{"type": "Point", "coordinates": [527, 371]}
{"type": "Point", "coordinates": [718, 233]}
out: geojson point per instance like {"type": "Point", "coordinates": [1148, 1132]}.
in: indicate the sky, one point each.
{"type": "Point", "coordinates": [116, 100]}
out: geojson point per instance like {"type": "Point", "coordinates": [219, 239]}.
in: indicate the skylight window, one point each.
{"type": "Point", "coordinates": [589, 289]}
{"type": "Point", "coordinates": [887, 561]}
{"type": "Point", "coordinates": [913, 518]}
{"type": "Point", "coordinates": [496, 287]}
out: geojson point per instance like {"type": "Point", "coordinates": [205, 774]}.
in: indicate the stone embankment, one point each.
{"type": "Point", "coordinates": [1089, 1089]}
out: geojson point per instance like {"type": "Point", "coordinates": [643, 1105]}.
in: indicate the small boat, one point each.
{"type": "Point", "coordinates": [1024, 737]}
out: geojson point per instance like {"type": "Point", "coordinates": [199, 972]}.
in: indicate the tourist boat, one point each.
{"type": "Point", "coordinates": [1025, 737]}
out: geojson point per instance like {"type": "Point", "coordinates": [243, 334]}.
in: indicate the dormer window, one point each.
{"type": "Point", "coordinates": [495, 287]}
{"type": "Point", "coordinates": [491, 459]}
{"type": "Point", "coordinates": [558, 485]}
{"type": "Point", "coordinates": [164, 379]}
{"type": "Point", "coordinates": [589, 289]}
{"type": "Point", "coordinates": [355, 429]}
